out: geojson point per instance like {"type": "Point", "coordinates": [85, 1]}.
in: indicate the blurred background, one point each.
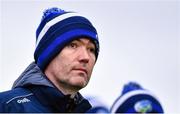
{"type": "Point", "coordinates": [139, 41]}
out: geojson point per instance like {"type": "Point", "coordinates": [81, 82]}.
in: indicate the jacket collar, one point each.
{"type": "Point", "coordinates": [32, 75]}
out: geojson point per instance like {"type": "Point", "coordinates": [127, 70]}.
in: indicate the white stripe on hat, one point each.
{"type": "Point", "coordinates": [127, 95]}
{"type": "Point", "coordinates": [54, 21]}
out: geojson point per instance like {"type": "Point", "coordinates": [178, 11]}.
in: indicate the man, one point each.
{"type": "Point", "coordinates": [67, 48]}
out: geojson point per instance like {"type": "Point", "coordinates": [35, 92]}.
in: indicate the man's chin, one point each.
{"type": "Point", "coordinates": [78, 82]}
{"type": "Point", "coordinates": [78, 85]}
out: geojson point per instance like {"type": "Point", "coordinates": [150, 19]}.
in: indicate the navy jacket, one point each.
{"type": "Point", "coordinates": [33, 92]}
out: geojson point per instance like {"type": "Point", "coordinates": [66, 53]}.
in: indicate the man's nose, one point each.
{"type": "Point", "coordinates": [84, 55]}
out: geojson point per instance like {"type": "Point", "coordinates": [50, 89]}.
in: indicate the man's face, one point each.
{"type": "Point", "coordinates": [73, 66]}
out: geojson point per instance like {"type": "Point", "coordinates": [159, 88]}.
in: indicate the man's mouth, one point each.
{"type": "Point", "coordinates": [81, 70]}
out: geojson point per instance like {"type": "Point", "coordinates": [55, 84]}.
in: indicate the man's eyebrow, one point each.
{"type": "Point", "coordinates": [77, 40]}
{"type": "Point", "coordinates": [80, 40]}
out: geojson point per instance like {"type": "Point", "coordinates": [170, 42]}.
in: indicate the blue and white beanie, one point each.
{"type": "Point", "coordinates": [135, 99]}
{"type": "Point", "coordinates": [57, 29]}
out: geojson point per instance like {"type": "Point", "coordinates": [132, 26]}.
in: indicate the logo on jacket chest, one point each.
{"type": "Point", "coordinates": [23, 100]}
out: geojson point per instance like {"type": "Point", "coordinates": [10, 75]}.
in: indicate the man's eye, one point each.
{"type": "Point", "coordinates": [92, 50]}
{"type": "Point", "coordinates": [72, 45]}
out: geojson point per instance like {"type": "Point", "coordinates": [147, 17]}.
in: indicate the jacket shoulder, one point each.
{"type": "Point", "coordinates": [17, 96]}
{"type": "Point", "coordinates": [13, 94]}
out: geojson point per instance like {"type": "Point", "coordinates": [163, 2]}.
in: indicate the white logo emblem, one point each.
{"type": "Point", "coordinates": [143, 106]}
{"type": "Point", "coordinates": [24, 100]}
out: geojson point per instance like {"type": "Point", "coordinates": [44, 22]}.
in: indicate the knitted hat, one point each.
{"type": "Point", "coordinates": [57, 29]}
{"type": "Point", "coordinates": [135, 99]}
